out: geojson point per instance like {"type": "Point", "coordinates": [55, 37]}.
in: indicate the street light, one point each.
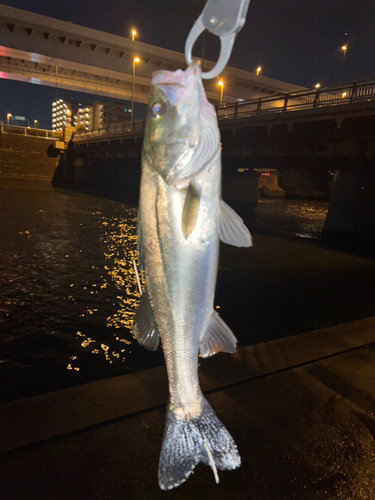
{"type": "Point", "coordinates": [134, 33]}
{"type": "Point", "coordinates": [28, 121]}
{"type": "Point", "coordinates": [317, 86]}
{"type": "Point", "coordinates": [135, 60]}
{"type": "Point", "coordinates": [259, 69]}
{"type": "Point", "coordinates": [9, 115]}
{"type": "Point", "coordinates": [344, 48]}
{"type": "Point", "coordinates": [35, 122]}
{"type": "Point", "coordinates": [221, 91]}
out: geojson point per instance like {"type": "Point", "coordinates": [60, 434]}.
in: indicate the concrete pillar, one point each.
{"type": "Point", "coordinates": [351, 213]}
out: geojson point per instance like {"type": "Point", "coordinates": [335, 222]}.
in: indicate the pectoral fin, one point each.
{"type": "Point", "coordinates": [190, 210]}
{"type": "Point", "coordinates": [232, 229]}
{"type": "Point", "coordinates": [217, 338]}
{"type": "Point", "coordinates": [144, 326]}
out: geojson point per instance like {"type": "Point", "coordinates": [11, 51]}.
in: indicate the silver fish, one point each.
{"type": "Point", "coordinates": [182, 218]}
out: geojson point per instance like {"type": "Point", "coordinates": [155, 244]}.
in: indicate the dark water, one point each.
{"type": "Point", "coordinates": [68, 289]}
{"type": "Point", "coordinates": [288, 218]}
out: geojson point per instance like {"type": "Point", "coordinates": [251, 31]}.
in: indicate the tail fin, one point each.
{"type": "Point", "coordinates": [185, 444]}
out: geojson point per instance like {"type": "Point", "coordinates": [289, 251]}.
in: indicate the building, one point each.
{"type": "Point", "coordinates": [78, 115]}
{"type": "Point", "coordinates": [64, 113]}
{"type": "Point", "coordinates": [74, 114]}
{"type": "Point", "coordinates": [84, 118]}
{"type": "Point", "coordinates": [108, 113]}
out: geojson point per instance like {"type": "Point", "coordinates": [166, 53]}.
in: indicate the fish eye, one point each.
{"type": "Point", "coordinates": [157, 109]}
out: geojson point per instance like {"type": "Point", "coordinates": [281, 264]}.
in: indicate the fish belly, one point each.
{"type": "Point", "coordinates": [180, 279]}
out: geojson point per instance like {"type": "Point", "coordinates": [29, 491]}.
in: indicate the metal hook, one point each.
{"type": "Point", "coordinates": [224, 18]}
{"type": "Point", "coordinates": [226, 43]}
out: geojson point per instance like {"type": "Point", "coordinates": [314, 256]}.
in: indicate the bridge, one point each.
{"type": "Point", "coordinates": [336, 103]}
{"type": "Point", "coordinates": [334, 123]}
{"type": "Point", "coordinates": [304, 134]}
{"type": "Point", "coordinates": [46, 51]}
{"type": "Point", "coordinates": [307, 136]}
{"type": "Point", "coordinates": [34, 132]}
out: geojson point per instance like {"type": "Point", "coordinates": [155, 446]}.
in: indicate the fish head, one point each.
{"type": "Point", "coordinates": [181, 135]}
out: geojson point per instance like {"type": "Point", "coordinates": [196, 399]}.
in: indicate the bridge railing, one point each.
{"type": "Point", "coordinates": [113, 129]}
{"type": "Point", "coordinates": [339, 94]}
{"type": "Point", "coordinates": [30, 132]}
{"type": "Point", "coordinates": [346, 93]}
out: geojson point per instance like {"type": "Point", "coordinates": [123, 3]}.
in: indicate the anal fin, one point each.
{"type": "Point", "coordinates": [232, 229]}
{"type": "Point", "coordinates": [217, 338]}
{"type": "Point", "coordinates": [144, 326]}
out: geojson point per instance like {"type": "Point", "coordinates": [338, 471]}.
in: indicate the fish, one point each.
{"type": "Point", "coordinates": [182, 219]}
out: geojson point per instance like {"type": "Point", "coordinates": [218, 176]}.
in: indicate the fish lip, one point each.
{"type": "Point", "coordinates": [175, 83]}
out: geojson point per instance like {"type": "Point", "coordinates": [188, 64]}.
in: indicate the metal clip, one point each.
{"type": "Point", "coordinates": [223, 18]}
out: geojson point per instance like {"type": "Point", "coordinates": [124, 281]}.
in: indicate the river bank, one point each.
{"type": "Point", "coordinates": [300, 410]}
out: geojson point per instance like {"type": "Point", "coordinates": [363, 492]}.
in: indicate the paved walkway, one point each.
{"type": "Point", "coordinates": [301, 409]}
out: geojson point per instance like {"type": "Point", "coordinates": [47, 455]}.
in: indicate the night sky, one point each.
{"type": "Point", "coordinates": [296, 41]}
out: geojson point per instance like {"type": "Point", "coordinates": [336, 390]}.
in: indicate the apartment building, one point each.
{"type": "Point", "coordinates": [84, 118]}
{"type": "Point", "coordinates": [63, 113]}
{"type": "Point", "coordinates": [108, 113]}
{"type": "Point", "coordinates": [97, 115]}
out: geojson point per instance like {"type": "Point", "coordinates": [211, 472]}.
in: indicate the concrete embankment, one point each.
{"type": "Point", "coordinates": [25, 158]}
{"type": "Point", "coordinates": [107, 177]}
{"type": "Point", "coordinates": [301, 410]}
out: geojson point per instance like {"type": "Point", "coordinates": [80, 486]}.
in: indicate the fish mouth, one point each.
{"type": "Point", "coordinates": [173, 83]}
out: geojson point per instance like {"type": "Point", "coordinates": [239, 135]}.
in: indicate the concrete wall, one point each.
{"type": "Point", "coordinates": [351, 211]}
{"type": "Point", "coordinates": [117, 178]}
{"type": "Point", "coordinates": [25, 158]}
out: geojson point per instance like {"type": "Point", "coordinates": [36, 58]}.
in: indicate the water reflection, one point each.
{"type": "Point", "coordinates": [118, 239]}
{"type": "Point", "coordinates": [68, 290]}
{"type": "Point", "coordinates": [281, 217]}
{"type": "Point", "coordinates": [121, 242]}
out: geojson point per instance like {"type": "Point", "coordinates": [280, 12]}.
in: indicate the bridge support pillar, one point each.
{"type": "Point", "coordinates": [351, 214]}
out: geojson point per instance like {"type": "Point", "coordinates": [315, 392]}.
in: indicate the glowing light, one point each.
{"type": "Point", "coordinates": [134, 33]}
{"type": "Point", "coordinates": [136, 59]}
{"type": "Point", "coordinates": [221, 91]}
{"type": "Point", "coordinates": [259, 69]}
{"type": "Point", "coordinates": [344, 48]}
{"type": "Point", "coordinates": [317, 86]}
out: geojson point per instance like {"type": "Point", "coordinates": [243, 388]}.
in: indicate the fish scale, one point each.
{"type": "Point", "coordinates": [181, 219]}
